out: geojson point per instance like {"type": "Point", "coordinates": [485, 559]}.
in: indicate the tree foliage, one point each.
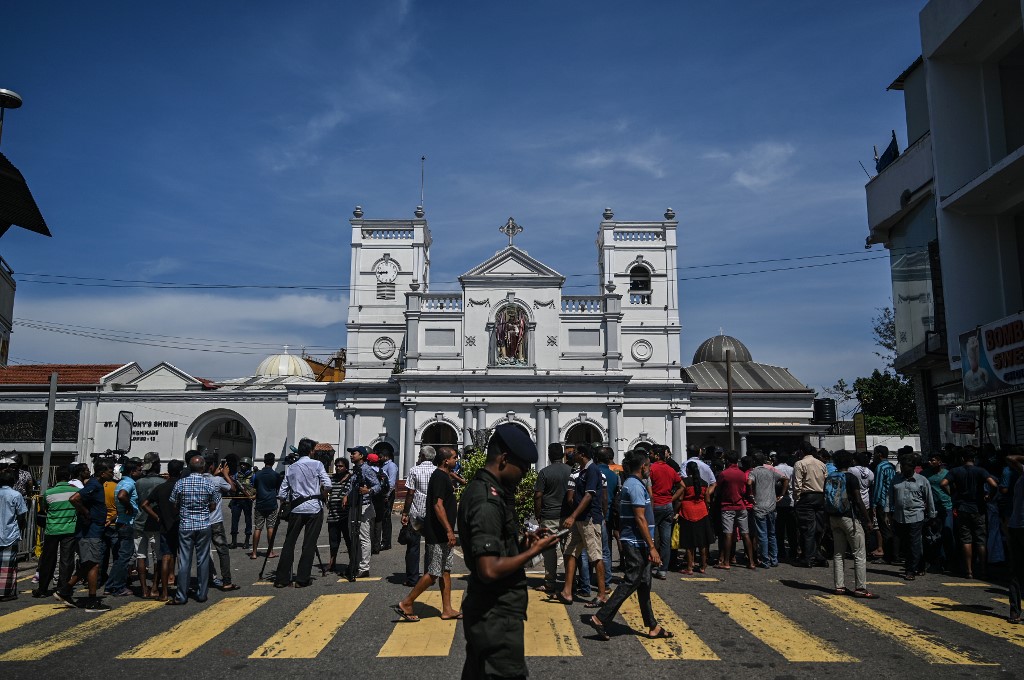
{"type": "Point", "coordinates": [883, 327]}
{"type": "Point", "coordinates": [476, 458]}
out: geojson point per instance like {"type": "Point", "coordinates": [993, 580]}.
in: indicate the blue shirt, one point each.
{"type": "Point", "coordinates": [126, 516]}
{"type": "Point", "coordinates": [611, 481]}
{"type": "Point", "coordinates": [95, 503]}
{"type": "Point", "coordinates": [634, 495]}
{"type": "Point", "coordinates": [391, 470]}
{"type": "Point", "coordinates": [266, 482]}
{"type": "Point", "coordinates": [12, 504]}
{"type": "Point", "coordinates": [590, 481]}
{"type": "Point", "coordinates": [885, 475]}
{"type": "Point", "coordinates": [193, 496]}
{"type": "Point", "coordinates": [364, 475]}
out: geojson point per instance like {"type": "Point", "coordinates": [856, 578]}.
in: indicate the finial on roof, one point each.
{"type": "Point", "coordinates": [670, 214]}
{"type": "Point", "coordinates": [358, 212]}
{"type": "Point", "coordinates": [510, 229]}
{"type": "Point", "coordinates": [286, 349]}
{"type": "Point", "coordinates": [419, 211]}
{"type": "Point", "coordinates": [608, 214]}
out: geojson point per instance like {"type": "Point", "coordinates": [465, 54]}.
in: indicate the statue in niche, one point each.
{"type": "Point", "coordinates": [510, 336]}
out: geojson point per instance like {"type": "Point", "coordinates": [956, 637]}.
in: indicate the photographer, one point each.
{"type": "Point", "coordinates": [220, 477]}
{"type": "Point", "coordinates": [302, 491]}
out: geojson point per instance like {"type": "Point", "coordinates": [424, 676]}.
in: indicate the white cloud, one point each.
{"type": "Point", "coordinates": [644, 156]}
{"type": "Point", "coordinates": [758, 168]}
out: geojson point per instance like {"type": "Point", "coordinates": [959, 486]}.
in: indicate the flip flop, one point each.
{"type": "Point", "coordinates": [411, 618]}
{"type": "Point", "coordinates": [599, 627]}
{"type": "Point", "coordinates": [867, 595]}
{"type": "Point", "coordinates": [560, 598]}
{"type": "Point", "coordinates": [662, 635]}
{"type": "Point", "coordinates": [252, 557]}
{"type": "Point", "coordinates": [228, 587]}
{"type": "Point", "coordinates": [175, 603]}
{"type": "Point", "coordinates": [452, 618]}
{"type": "Point", "coordinates": [841, 591]}
{"type": "Point", "coordinates": [595, 604]}
{"type": "Point", "coordinates": [721, 566]}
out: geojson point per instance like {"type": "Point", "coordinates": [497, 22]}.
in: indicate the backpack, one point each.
{"type": "Point", "coordinates": [837, 500]}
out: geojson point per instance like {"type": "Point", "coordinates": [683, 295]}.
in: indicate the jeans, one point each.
{"type": "Point", "coordinates": [606, 539]}
{"type": "Point", "coordinates": [239, 507]}
{"type": "Point", "coordinates": [309, 524]}
{"type": "Point", "coordinates": [767, 546]}
{"type": "Point", "coordinates": [848, 534]}
{"type": "Point", "coordinates": [583, 574]}
{"type": "Point", "coordinates": [664, 518]}
{"type": "Point", "coordinates": [412, 556]}
{"type": "Point", "coordinates": [786, 533]}
{"type": "Point", "coordinates": [198, 540]}
{"type": "Point", "coordinates": [1016, 541]}
{"type": "Point", "coordinates": [810, 514]}
{"type": "Point", "coordinates": [361, 523]}
{"type": "Point", "coordinates": [220, 544]}
{"type": "Point", "coordinates": [65, 544]}
{"type": "Point", "coordinates": [124, 550]}
{"type": "Point", "coordinates": [910, 537]}
{"type": "Point", "coordinates": [636, 578]}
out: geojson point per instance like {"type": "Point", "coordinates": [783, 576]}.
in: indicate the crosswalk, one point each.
{"type": "Point", "coordinates": [552, 629]}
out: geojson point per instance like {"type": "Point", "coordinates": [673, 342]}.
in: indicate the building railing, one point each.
{"type": "Point", "coordinates": [582, 304]}
{"type": "Point", "coordinates": [388, 234]}
{"type": "Point", "coordinates": [441, 303]}
{"type": "Point", "coordinates": [639, 298]}
{"type": "Point", "coordinates": [656, 234]}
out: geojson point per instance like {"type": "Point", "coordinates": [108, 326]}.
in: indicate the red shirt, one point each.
{"type": "Point", "coordinates": [663, 477]}
{"type": "Point", "coordinates": [732, 486]}
{"type": "Point", "coordinates": [694, 509]}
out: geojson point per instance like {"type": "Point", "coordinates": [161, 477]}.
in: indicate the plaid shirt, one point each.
{"type": "Point", "coordinates": [418, 480]}
{"type": "Point", "coordinates": [193, 496]}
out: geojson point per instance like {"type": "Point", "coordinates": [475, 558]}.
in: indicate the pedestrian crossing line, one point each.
{"type": "Point", "coordinates": [307, 634]}
{"type": "Point", "coordinates": [929, 647]}
{"type": "Point", "coordinates": [989, 624]}
{"type": "Point", "coordinates": [362, 579]}
{"type": "Point", "coordinates": [685, 645]}
{"type": "Point", "coordinates": [432, 636]}
{"type": "Point", "coordinates": [185, 637]}
{"type": "Point", "coordinates": [968, 584]}
{"type": "Point", "coordinates": [548, 628]}
{"type": "Point", "coordinates": [26, 577]}
{"type": "Point", "coordinates": [775, 630]}
{"type": "Point", "coordinates": [93, 627]}
{"type": "Point", "coordinates": [886, 583]}
{"type": "Point", "coordinates": [700, 579]}
{"type": "Point", "coordinates": [1000, 600]}
{"type": "Point", "coordinates": [28, 615]}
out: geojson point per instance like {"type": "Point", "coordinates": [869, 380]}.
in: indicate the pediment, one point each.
{"type": "Point", "coordinates": [512, 263]}
{"type": "Point", "coordinates": [164, 376]}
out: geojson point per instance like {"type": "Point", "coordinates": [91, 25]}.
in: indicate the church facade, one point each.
{"type": "Point", "coordinates": [511, 344]}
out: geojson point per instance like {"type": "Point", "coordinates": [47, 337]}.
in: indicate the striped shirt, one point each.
{"type": "Point", "coordinates": [418, 479]}
{"type": "Point", "coordinates": [193, 496]}
{"type": "Point", "coordinates": [61, 516]}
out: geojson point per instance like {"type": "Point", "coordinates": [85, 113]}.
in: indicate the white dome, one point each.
{"type": "Point", "coordinates": [281, 365]}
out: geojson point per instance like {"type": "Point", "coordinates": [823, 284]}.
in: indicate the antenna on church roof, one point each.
{"type": "Point", "coordinates": [423, 163]}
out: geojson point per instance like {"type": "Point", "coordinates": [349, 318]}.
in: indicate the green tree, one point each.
{"type": "Point", "coordinates": [887, 402]}
{"type": "Point", "coordinates": [883, 327]}
{"type": "Point", "coordinates": [476, 457]}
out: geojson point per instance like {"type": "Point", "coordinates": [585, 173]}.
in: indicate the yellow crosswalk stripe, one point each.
{"type": "Point", "coordinates": [984, 622]}
{"type": "Point", "coordinates": [361, 579]}
{"type": "Point", "coordinates": [189, 635]}
{"type": "Point", "coordinates": [967, 584]}
{"type": "Point", "coordinates": [432, 636]}
{"type": "Point", "coordinates": [96, 625]}
{"type": "Point", "coordinates": [685, 645]}
{"type": "Point", "coordinates": [700, 579]}
{"type": "Point", "coordinates": [307, 634]}
{"type": "Point", "coordinates": [886, 583]}
{"type": "Point", "coordinates": [29, 615]}
{"type": "Point", "coordinates": [548, 629]}
{"type": "Point", "coordinates": [775, 630]}
{"type": "Point", "coordinates": [929, 647]}
{"type": "Point", "coordinates": [1002, 600]}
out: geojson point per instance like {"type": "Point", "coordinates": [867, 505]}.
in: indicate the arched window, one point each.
{"type": "Point", "coordinates": [583, 433]}
{"type": "Point", "coordinates": [439, 434]}
{"type": "Point", "coordinates": [639, 280]}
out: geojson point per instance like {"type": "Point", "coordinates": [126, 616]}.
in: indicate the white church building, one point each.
{"type": "Point", "coordinates": [433, 367]}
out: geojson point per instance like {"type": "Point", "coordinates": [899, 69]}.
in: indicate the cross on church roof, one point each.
{"type": "Point", "coordinates": [510, 229]}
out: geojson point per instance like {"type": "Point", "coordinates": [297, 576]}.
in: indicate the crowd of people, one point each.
{"type": "Point", "coordinates": [959, 511]}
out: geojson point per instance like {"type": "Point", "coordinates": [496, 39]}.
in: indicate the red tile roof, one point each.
{"type": "Point", "coordinates": [323, 446]}
{"type": "Point", "coordinates": [67, 374]}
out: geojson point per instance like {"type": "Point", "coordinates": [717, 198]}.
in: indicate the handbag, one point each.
{"type": "Point", "coordinates": [405, 536]}
{"type": "Point", "coordinates": [675, 536]}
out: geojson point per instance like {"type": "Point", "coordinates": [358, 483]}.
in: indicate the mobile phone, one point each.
{"type": "Point", "coordinates": [563, 533]}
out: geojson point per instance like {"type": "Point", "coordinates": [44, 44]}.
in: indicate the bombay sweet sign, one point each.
{"type": "Point", "coordinates": [992, 359]}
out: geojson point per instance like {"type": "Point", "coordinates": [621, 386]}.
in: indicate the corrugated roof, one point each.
{"type": "Point", "coordinates": [67, 374]}
{"type": "Point", "coordinates": [747, 376]}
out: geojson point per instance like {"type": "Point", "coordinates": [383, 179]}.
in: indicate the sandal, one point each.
{"type": "Point", "coordinates": [721, 566]}
{"type": "Point", "coordinates": [457, 617]}
{"type": "Point", "coordinates": [596, 624]}
{"type": "Point", "coordinates": [841, 591]}
{"type": "Point", "coordinates": [867, 595]}
{"type": "Point", "coordinates": [411, 618]}
{"type": "Point", "coordinates": [662, 634]}
{"type": "Point", "coordinates": [595, 604]}
{"type": "Point", "coordinates": [173, 602]}
{"type": "Point", "coordinates": [228, 587]}
{"type": "Point", "coordinates": [560, 598]}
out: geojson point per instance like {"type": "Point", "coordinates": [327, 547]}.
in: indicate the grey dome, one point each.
{"type": "Point", "coordinates": [713, 349]}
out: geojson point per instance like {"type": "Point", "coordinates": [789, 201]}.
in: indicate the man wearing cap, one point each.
{"type": "Point", "coordinates": [265, 483]}
{"type": "Point", "coordinates": [242, 506]}
{"type": "Point", "coordinates": [305, 488]}
{"type": "Point", "coordinates": [147, 529]}
{"type": "Point", "coordinates": [415, 510]}
{"type": "Point", "coordinates": [495, 603]}
{"type": "Point", "coordinates": [365, 485]}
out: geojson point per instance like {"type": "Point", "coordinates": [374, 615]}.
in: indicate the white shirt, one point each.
{"type": "Point", "coordinates": [866, 477]}
{"type": "Point", "coordinates": [418, 479]}
{"type": "Point", "coordinates": [786, 469]}
{"type": "Point", "coordinates": [707, 475]}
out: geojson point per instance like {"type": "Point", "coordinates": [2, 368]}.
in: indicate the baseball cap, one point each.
{"type": "Point", "coordinates": [517, 442]}
{"type": "Point", "coordinates": [245, 460]}
{"type": "Point", "coordinates": [372, 458]}
{"type": "Point", "coordinates": [151, 457]}
{"type": "Point", "coordinates": [359, 449]}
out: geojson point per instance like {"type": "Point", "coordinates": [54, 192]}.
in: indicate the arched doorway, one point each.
{"type": "Point", "coordinates": [222, 432]}
{"type": "Point", "coordinates": [439, 434]}
{"type": "Point", "coordinates": [583, 433]}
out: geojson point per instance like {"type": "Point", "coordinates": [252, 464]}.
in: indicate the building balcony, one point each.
{"type": "Point", "coordinates": [582, 304]}
{"type": "Point", "coordinates": [443, 302]}
{"type": "Point", "coordinates": [896, 190]}
{"type": "Point", "coordinates": [997, 191]}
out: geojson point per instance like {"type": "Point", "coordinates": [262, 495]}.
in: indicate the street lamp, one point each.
{"type": "Point", "coordinates": [9, 99]}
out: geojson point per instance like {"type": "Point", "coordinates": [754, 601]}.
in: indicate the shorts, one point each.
{"type": "Point", "coordinates": [168, 544]}
{"type": "Point", "coordinates": [585, 536]}
{"type": "Point", "coordinates": [438, 559]}
{"type": "Point", "coordinates": [261, 520]}
{"type": "Point", "coordinates": [146, 543]}
{"type": "Point", "coordinates": [90, 550]}
{"type": "Point", "coordinates": [971, 527]}
{"type": "Point", "coordinates": [731, 518]}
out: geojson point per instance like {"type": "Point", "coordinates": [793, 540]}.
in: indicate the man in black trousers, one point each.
{"type": "Point", "coordinates": [303, 492]}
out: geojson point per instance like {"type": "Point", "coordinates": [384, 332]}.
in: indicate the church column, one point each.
{"type": "Point", "coordinates": [612, 320]}
{"type": "Point", "coordinates": [542, 440]}
{"type": "Point", "coordinates": [613, 428]}
{"type": "Point", "coordinates": [409, 445]}
{"type": "Point", "coordinates": [553, 426]}
{"type": "Point", "coordinates": [481, 417]}
{"type": "Point", "coordinates": [350, 428]}
{"type": "Point", "coordinates": [743, 443]}
{"type": "Point", "coordinates": [678, 443]}
{"type": "Point", "coordinates": [467, 425]}
{"type": "Point", "coordinates": [413, 300]}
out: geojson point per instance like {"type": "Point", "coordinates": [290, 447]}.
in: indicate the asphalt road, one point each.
{"type": "Point", "coordinates": [778, 623]}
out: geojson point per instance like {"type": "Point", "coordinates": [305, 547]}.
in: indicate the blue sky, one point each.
{"type": "Point", "coordinates": [228, 142]}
